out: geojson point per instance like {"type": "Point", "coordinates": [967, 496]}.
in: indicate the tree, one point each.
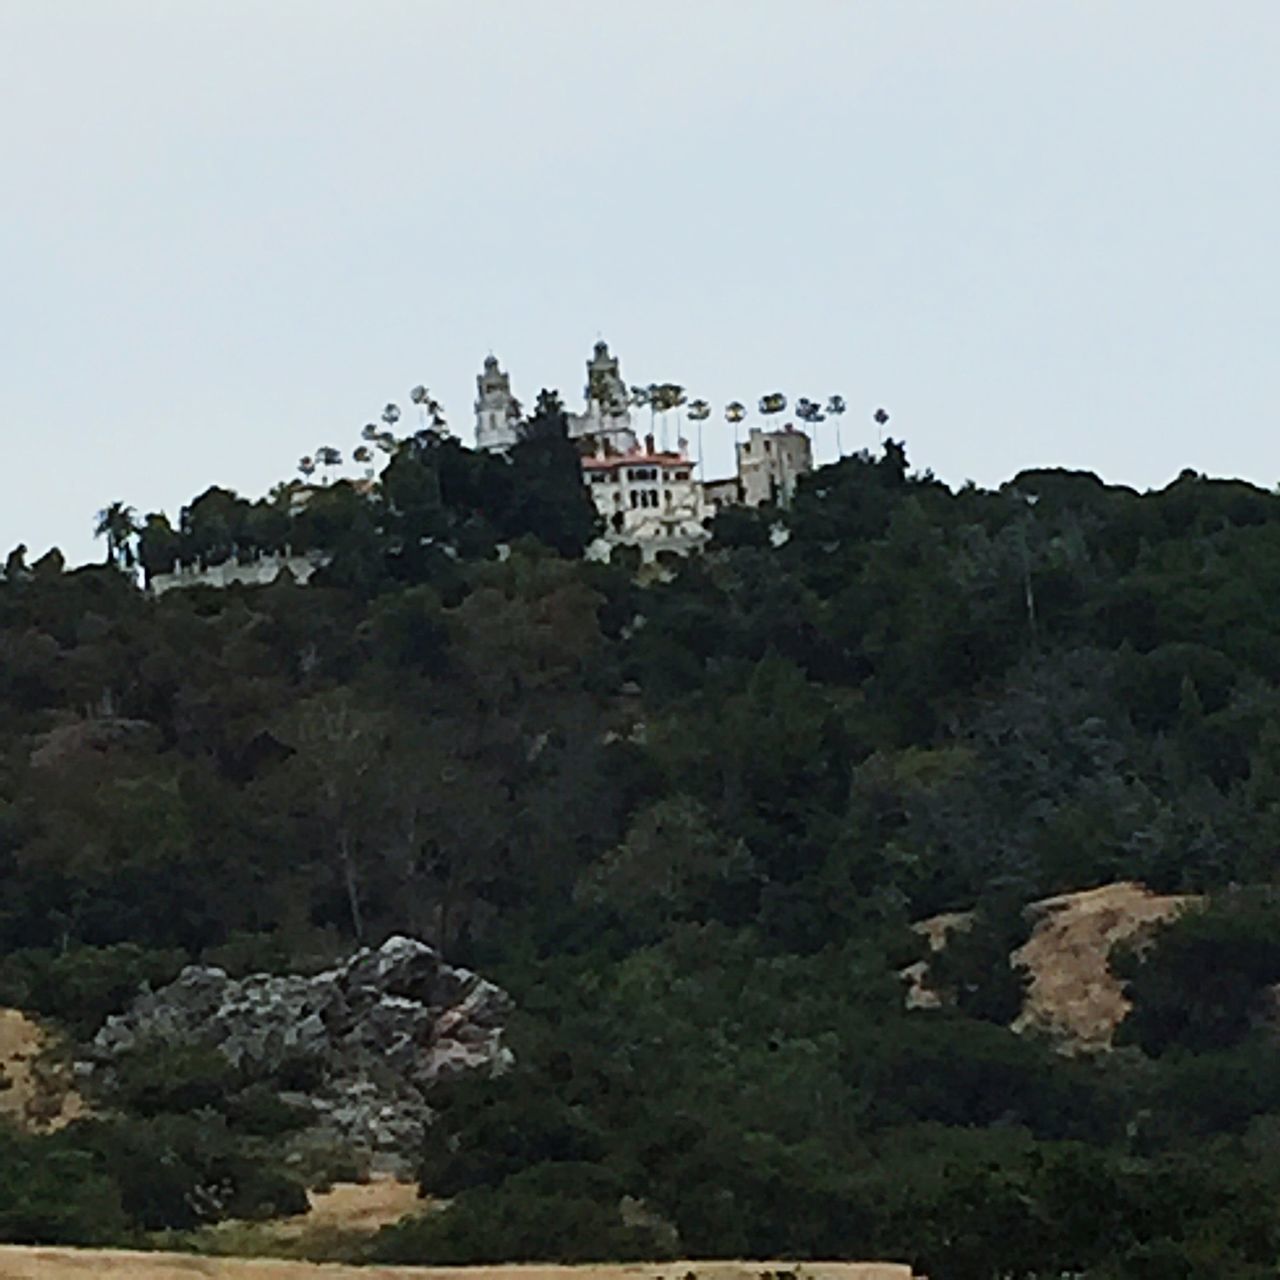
{"type": "Point", "coordinates": [118, 524]}
{"type": "Point", "coordinates": [158, 545]}
{"type": "Point", "coordinates": [328, 457]}
{"type": "Point", "coordinates": [836, 409]}
{"type": "Point", "coordinates": [774, 402]}
{"type": "Point", "coordinates": [548, 497]}
{"type": "Point", "coordinates": [671, 396]}
{"type": "Point", "coordinates": [339, 749]}
{"type": "Point", "coordinates": [734, 412]}
{"type": "Point", "coordinates": [15, 565]}
{"type": "Point", "coordinates": [699, 412]}
{"type": "Point", "coordinates": [430, 411]}
{"type": "Point", "coordinates": [808, 411]}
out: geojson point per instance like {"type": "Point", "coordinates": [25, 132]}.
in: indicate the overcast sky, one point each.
{"type": "Point", "coordinates": [1037, 233]}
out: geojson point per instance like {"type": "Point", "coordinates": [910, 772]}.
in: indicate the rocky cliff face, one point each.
{"type": "Point", "coordinates": [371, 1037]}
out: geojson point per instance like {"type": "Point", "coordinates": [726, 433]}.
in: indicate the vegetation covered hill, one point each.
{"type": "Point", "coordinates": [687, 821]}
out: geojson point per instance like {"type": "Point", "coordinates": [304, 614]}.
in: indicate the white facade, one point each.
{"type": "Point", "coordinates": [770, 463]}
{"type": "Point", "coordinates": [648, 499]}
{"type": "Point", "coordinates": [497, 410]}
{"type": "Point", "coordinates": [607, 417]}
{"type": "Point", "coordinates": [252, 573]}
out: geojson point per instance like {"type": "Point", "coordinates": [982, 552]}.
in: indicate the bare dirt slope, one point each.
{"type": "Point", "coordinates": [72, 1264]}
{"type": "Point", "coordinates": [34, 1092]}
{"type": "Point", "coordinates": [1073, 993]}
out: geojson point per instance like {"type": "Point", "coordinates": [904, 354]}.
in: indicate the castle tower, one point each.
{"type": "Point", "coordinates": [608, 416]}
{"type": "Point", "coordinates": [497, 410]}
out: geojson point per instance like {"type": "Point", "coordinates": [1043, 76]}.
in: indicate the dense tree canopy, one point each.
{"type": "Point", "coordinates": [686, 819]}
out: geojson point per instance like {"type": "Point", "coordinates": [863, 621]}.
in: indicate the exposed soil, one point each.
{"type": "Point", "coordinates": [1073, 995]}
{"type": "Point", "coordinates": [353, 1206]}
{"type": "Point", "coordinates": [35, 1093]}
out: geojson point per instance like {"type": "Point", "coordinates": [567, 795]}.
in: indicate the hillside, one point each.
{"type": "Point", "coordinates": [684, 823]}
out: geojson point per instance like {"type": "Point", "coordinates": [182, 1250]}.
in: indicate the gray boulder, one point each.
{"type": "Point", "coordinates": [378, 1032]}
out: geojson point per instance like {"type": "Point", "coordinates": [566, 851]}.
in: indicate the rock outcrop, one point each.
{"type": "Point", "coordinates": [361, 1045]}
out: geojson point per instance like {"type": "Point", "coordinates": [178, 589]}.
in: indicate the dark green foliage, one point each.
{"type": "Point", "coordinates": [177, 1171]}
{"type": "Point", "coordinates": [81, 986]}
{"type": "Point", "coordinates": [519, 1220]}
{"type": "Point", "coordinates": [687, 822]}
{"type": "Point", "coordinates": [1205, 982]}
{"type": "Point", "coordinates": [51, 1193]}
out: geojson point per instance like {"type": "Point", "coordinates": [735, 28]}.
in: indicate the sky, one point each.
{"type": "Point", "coordinates": [1038, 234]}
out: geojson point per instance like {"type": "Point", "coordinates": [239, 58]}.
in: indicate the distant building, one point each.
{"type": "Point", "coordinates": [607, 417]}
{"type": "Point", "coordinates": [770, 463]}
{"type": "Point", "coordinates": [248, 572]}
{"type": "Point", "coordinates": [648, 498]}
{"type": "Point", "coordinates": [723, 493]}
{"type": "Point", "coordinates": [497, 410]}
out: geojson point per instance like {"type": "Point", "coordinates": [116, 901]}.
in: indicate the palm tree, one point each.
{"type": "Point", "coordinates": [734, 412]}
{"type": "Point", "coordinates": [642, 398]}
{"type": "Point", "coordinates": [675, 398]}
{"type": "Point", "coordinates": [328, 457]}
{"type": "Point", "coordinates": [420, 395]}
{"type": "Point", "coordinates": [699, 412]}
{"type": "Point", "coordinates": [809, 411]}
{"type": "Point", "coordinates": [118, 523]}
{"type": "Point", "coordinates": [774, 402]}
{"type": "Point", "coordinates": [880, 417]}
{"type": "Point", "coordinates": [307, 466]}
{"type": "Point", "coordinates": [836, 409]}
{"type": "Point", "coordinates": [364, 455]}
{"type": "Point", "coordinates": [430, 411]}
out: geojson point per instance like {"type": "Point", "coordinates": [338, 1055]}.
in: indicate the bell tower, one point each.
{"type": "Point", "coordinates": [497, 410]}
{"type": "Point", "coordinates": [607, 417]}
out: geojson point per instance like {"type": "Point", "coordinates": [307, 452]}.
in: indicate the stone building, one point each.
{"type": "Point", "coordinates": [497, 410]}
{"type": "Point", "coordinates": [770, 463]}
{"type": "Point", "coordinates": [607, 416]}
{"type": "Point", "coordinates": [649, 497]}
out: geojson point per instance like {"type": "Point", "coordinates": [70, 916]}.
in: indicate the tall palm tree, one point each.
{"type": "Point", "coordinates": [430, 411]}
{"type": "Point", "coordinates": [307, 466]}
{"type": "Point", "coordinates": [364, 455]}
{"type": "Point", "coordinates": [836, 409]}
{"type": "Point", "coordinates": [734, 412]}
{"type": "Point", "coordinates": [699, 412]}
{"type": "Point", "coordinates": [774, 402]}
{"type": "Point", "coordinates": [119, 524]}
{"type": "Point", "coordinates": [420, 395]}
{"type": "Point", "coordinates": [810, 412]}
{"type": "Point", "coordinates": [880, 417]}
{"type": "Point", "coordinates": [328, 457]}
{"type": "Point", "coordinates": [654, 393]}
{"type": "Point", "coordinates": [675, 397]}
{"type": "Point", "coordinates": [642, 398]}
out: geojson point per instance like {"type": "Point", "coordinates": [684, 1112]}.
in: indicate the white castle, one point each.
{"type": "Point", "coordinates": [648, 497]}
